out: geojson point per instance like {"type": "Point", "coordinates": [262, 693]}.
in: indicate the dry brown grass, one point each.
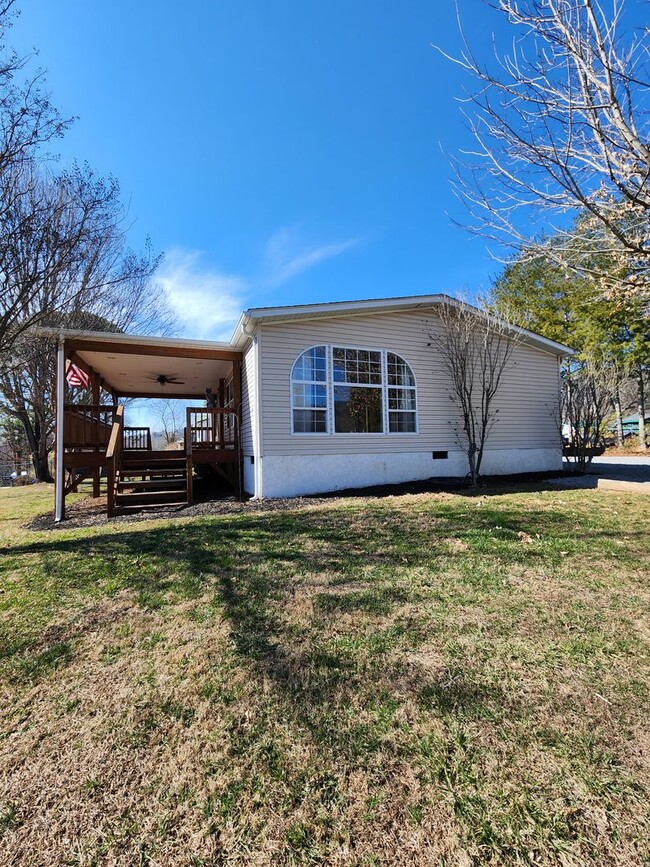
{"type": "Point", "coordinates": [399, 682]}
{"type": "Point", "coordinates": [114, 764]}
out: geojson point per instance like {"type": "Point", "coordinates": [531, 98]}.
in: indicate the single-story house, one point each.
{"type": "Point", "coordinates": [302, 400]}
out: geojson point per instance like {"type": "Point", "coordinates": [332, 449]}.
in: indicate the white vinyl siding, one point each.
{"type": "Point", "coordinates": [527, 401]}
{"type": "Point", "coordinates": [248, 407]}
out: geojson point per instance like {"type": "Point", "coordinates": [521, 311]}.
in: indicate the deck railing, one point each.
{"type": "Point", "coordinates": [114, 458]}
{"type": "Point", "coordinates": [137, 439]}
{"type": "Point", "coordinates": [87, 426]}
{"type": "Point", "coordinates": [211, 428]}
{"type": "Point", "coordinates": [209, 433]}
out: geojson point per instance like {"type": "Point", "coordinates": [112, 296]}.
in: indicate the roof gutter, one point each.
{"type": "Point", "coordinates": [243, 330]}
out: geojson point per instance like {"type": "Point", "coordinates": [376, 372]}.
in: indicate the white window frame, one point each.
{"type": "Point", "coordinates": [387, 387]}
{"type": "Point", "coordinates": [325, 383]}
{"type": "Point", "coordinates": [330, 384]}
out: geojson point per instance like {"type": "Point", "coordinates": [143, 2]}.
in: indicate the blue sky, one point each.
{"type": "Point", "coordinates": [277, 152]}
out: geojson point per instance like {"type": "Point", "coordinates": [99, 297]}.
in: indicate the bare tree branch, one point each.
{"type": "Point", "coordinates": [589, 388]}
{"type": "Point", "coordinates": [475, 348]}
{"type": "Point", "coordinates": [561, 123]}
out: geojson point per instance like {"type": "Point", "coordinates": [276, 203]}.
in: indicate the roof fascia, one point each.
{"type": "Point", "coordinates": [136, 343]}
{"type": "Point", "coordinates": [541, 342]}
{"type": "Point", "coordinates": [340, 308]}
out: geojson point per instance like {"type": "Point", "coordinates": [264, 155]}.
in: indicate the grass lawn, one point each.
{"type": "Point", "coordinates": [421, 680]}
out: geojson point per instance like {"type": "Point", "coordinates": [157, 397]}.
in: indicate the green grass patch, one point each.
{"type": "Point", "coordinates": [465, 677]}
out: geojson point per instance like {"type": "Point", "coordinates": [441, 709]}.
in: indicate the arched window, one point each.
{"type": "Point", "coordinates": [309, 391]}
{"type": "Point", "coordinates": [337, 389]}
{"type": "Point", "coordinates": [402, 415]}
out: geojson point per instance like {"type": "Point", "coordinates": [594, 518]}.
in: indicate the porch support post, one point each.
{"type": "Point", "coordinates": [236, 398]}
{"type": "Point", "coordinates": [236, 385]}
{"type": "Point", "coordinates": [189, 464]}
{"type": "Point", "coordinates": [217, 421]}
{"type": "Point", "coordinates": [95, 386]}
{"type": "Point", "coordinates": [59, 475]}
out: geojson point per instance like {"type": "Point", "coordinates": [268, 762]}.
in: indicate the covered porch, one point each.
{"type": "Point", "coordinates": [93, 441]}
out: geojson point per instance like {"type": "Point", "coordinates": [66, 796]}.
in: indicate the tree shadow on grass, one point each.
{"type": "Point", "coordinates": [349, 562]}
{"type": "Point", "coordinates": [336, 672]}
{"type": "Point", "coordinates": [254, 565]}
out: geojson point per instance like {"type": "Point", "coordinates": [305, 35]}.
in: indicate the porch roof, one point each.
{"type": "Point", "coordinates": [131, 364]}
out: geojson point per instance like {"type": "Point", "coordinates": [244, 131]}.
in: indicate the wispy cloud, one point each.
{"type": "Point", "coordinates": [206, 302]}
{"type": "Point", "coordinates": [285, 258]}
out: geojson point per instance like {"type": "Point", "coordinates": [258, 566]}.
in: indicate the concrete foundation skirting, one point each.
{"type": "Point", "coordinates": [301, 475]}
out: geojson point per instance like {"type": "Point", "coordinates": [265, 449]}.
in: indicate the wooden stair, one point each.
{"type": "Point", "coordinates": [147, 480]}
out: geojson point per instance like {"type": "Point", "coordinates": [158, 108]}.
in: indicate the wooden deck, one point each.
{"type": "Point", "coordinates": [97, 443]}
{"type": "Point", "coordinates": [91, 438]}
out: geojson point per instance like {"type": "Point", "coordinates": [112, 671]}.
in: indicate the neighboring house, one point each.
{"type": "Point", "coordinates": [316, 398]}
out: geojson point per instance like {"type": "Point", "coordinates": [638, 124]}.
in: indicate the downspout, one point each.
{"type": "Point", "coordinates": [59, 478]}
{"type": "Point", "coordinates": [257, 430]}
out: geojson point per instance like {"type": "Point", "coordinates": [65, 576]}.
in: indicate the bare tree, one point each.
{"type": "Point", "coordinates": [72, 267]}
{"type": "Point", "coordinates": [26, 398]}
{"type": "Point", "coordinates": [63, 254]}
{"type": "Point", "coordinates": [560, 122]}
{"type": "Point", "coordinates": [28, 122]}
{"type": "Point", "coordinates": [27, 117]}
{"type": "Point", "coordinates": [171, 415]}
{"type": "Point", "coordinates": [475, 348]}
{"type": "Point", "coordinates": [14, 448]}
{"type": "Point", "coordinates": [588, 389]}
{"type": "Point", "coordinates": [62, 243]}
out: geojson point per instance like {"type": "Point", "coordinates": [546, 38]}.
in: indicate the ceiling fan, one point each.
{"type": "Point", "coordinates": [166, 379]}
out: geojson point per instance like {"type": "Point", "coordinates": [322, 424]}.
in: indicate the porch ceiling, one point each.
{"type": "Point", "coordinates": [129, 363]}
{"type": "Point", "coordinates": [135, 375]}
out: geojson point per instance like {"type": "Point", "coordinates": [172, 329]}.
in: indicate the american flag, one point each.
{"type": "Point", "coordinates": [76, 377]}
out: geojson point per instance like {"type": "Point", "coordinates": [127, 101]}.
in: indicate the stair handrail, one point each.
{"type": "Point", "coordinates": [114, 457]}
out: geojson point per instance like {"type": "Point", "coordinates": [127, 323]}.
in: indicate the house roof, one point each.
{"type": "Point", "coordinates": [130, 363]}
{"type": "Point", "coordinates": [127, 340]}
{"type": "Point", "coordinates": [255, 316]}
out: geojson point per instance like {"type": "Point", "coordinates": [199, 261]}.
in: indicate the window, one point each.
{"type": "Point", "coordinates": [338, 389]}
{"type": "Point", "coordinates": [358, 403]}
{"type": "Point", "coordinates": [309, 391]}
{"type": "Point", "coordinates": [401, 395]}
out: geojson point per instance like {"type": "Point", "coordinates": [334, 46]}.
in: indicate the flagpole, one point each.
{"type": "Point", "coordinates": [59, 477]}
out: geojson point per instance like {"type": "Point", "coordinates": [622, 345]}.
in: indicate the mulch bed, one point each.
{"type": "Point", "coordinates": [91, 512]}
